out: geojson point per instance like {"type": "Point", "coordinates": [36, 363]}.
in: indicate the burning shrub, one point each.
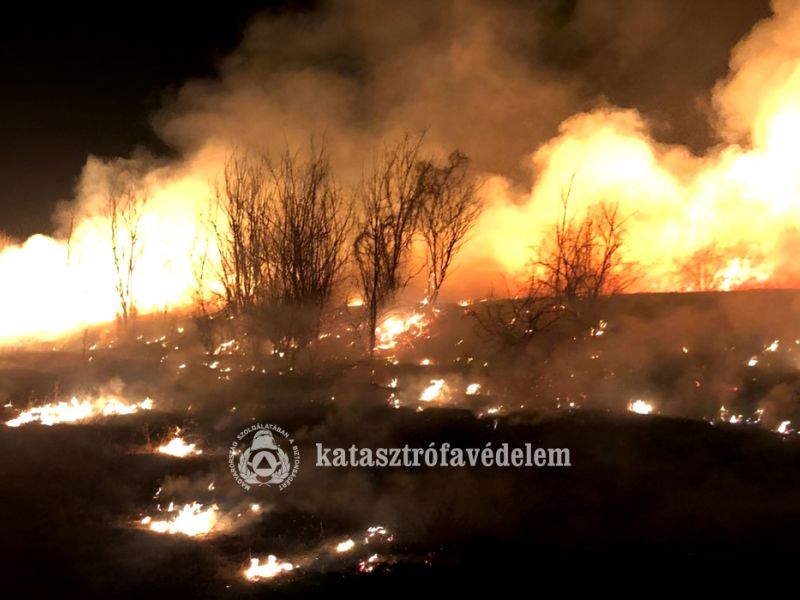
{"type": "Point", "coordinates": [281, 248]}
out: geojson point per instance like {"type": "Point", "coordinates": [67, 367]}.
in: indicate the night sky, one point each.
{"type": "Point", "coordinates": [76, 84]}
{"type": "Point", "coordinates": [80, 84]}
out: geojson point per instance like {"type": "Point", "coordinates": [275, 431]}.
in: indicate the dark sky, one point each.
{"type": "Point", "coordinates": [76, 84]}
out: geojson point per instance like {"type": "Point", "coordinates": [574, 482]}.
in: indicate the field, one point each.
{"type": "Point", "coordinates": [691, 482]}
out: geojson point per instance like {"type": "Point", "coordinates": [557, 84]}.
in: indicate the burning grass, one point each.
{"type": "Point", "coordinates": [78, 411]}
{"type": "Point", "coordinates": [191, 520]}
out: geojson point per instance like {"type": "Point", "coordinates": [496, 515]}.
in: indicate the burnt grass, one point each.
{"type": "Point", "coordinates": [645, 493]}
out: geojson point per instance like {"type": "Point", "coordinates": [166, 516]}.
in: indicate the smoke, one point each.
{"type": "Point", "coordinates": [537, 96]}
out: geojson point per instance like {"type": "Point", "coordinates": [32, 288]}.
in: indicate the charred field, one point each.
{"type": "Point", "coordinates": [705, 479]}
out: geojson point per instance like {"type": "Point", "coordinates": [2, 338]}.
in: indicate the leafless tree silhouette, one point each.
{"type": "Point", "coordinates": [206, 305]}
{"type": "Point", "coordinates": [308, 221]}
{"type": "Point", "coordinates": [239, 224]}
{"type": "Point", "coordinates": [450, 211]}
{"type": "Point", "coordinates": [282, 240]}
{"type": "Point", "coordinates": [391, 198]}
{"type": "Point", "coordinates": [697, 273]}
{"type": "Point", "coordinates": [515, 320]}
{"type": "Point", "coordinates": [125, 206]}
{"type": "Point", "coordinates": [581, 259]}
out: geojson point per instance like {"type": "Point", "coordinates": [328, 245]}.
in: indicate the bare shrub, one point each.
{"type": "Point", "coordinates": [125, 206]}
{"type": "Point", "coordinates": [450, 211]}
{"type": "Point", "coordinates": [391, 198]}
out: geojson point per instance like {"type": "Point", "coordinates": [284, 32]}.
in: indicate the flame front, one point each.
{"type": "Point", "coordinates": [76, 411]}
{"type": "Point", "coordinates": [177, 446]}
{"type": "Point", "coordinates": [733, 207]}
{"type": "Point", "coordinates": [268, 569]}
{"type": "Point", "coordinates": [191, 520]}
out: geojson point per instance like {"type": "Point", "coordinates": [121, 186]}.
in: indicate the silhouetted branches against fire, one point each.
{"type": "Point", "coordinates": [579, 262]}
{"type": "Point", "coordinates": [282, 242]}
{"type": "Point", "coordinates": [391, 198]}
{"type": "Point", "coordinates": [125, 205]}
{"type": "Point", "coordinates": [514, 321]}
{"type": "Point", "coordinates": [581, 259]}
{"type": "Point", "coordinates": [450, 210]}
{"type": "Point", "coordinates": [698, 271]}
{"type": "Point", "coordinates": [308, 223]}
{"type": "Point", "coordinates": [206, 304]}
{"type": "Point", "coordinates": [241, 231]}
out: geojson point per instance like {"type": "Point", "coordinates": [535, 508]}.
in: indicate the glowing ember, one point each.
{"type": "Point", "coordinates": [345, 546]}
{"type": "Point", "coordinates": [752, 362]}
{"type": "Point", "coordinates": [368, 565]}
{"type": "Point", "coordinates": [378, 532]}
{"type": "Point", "coordinates": [473, 389]}
{"type": "Point", "coordinates": [433, 391]}
{"type": "Point", "coordinates": [76, 411]}
{"type": "Point", "coordinates": [783, 428]}
{"type": "Point", "coordinates": [267, 570]}
{"type": "Point", "coordinates": [191, 520]}
{"type": "Point", "coordinates": [773, 347]}
{"type": "Point", "coordinates": [640, 407]}
{"type": "Point", "coordinates": [177, 446]}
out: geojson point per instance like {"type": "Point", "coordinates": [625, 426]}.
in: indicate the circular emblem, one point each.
{"type": "Point", "coordinates": [264, 455]}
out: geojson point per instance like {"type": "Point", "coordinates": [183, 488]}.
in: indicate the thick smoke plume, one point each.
{"type": "Point", "coordinates": [698, 157]}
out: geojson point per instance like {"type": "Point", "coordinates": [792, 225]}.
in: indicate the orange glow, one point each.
{"type": "Point", "coordinates": [742, 197]}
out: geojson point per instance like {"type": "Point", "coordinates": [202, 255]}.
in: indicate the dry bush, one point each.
{"type": "Point", "coordinates": [391, 199]}
{"type": "Point", "coordinates": [450, 211]}
{"type": "Point", "coordinates": [125, 206]}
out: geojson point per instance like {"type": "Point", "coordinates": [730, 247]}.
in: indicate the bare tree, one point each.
{"type": "Point", "coordinates": [581, 259]}
{"type": "Point", "coordinates": [281, 240]}
{"type": "Point", "coordinates": [308, 223]}
{"type": "Point", "coordinates": [206, 306]}
{"type": "Point", "coordinates": [698, 271]}
{"type": "Point", "coordinates": [450, 211]}
{"type": "Point", "coordinates": [125, 205]}
{"type": "Point", "coordinates": [239, 224]}
{"type": "Point", "coordinates": [391, 199]}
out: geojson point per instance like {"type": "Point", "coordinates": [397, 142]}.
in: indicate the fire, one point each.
{"type": "Point", "coordinates": [741, 197]}
{"type": "Point", "coordinates": [368, 565]}
{"type": "Point", "coordinates": [392, 328]}
{"type": "Point", "coordinates": [345, 546]}
{"type": "Point", "coordinates": [355, 302]}
{"type": "Point", "coordinates": [268, 569]}
{"type": "Point", "coordinates": [433, 391]}
{"type": "Point", "coordinates": [740, 273]}
{"type": "Point", "coordinates": [77, 411]}
{"type": "Point", "coordinates": [177, 446]}
{"type": "Point", "coordinates": [640, 407]}
{"type": "Point", "coordinates": [192, 520]}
